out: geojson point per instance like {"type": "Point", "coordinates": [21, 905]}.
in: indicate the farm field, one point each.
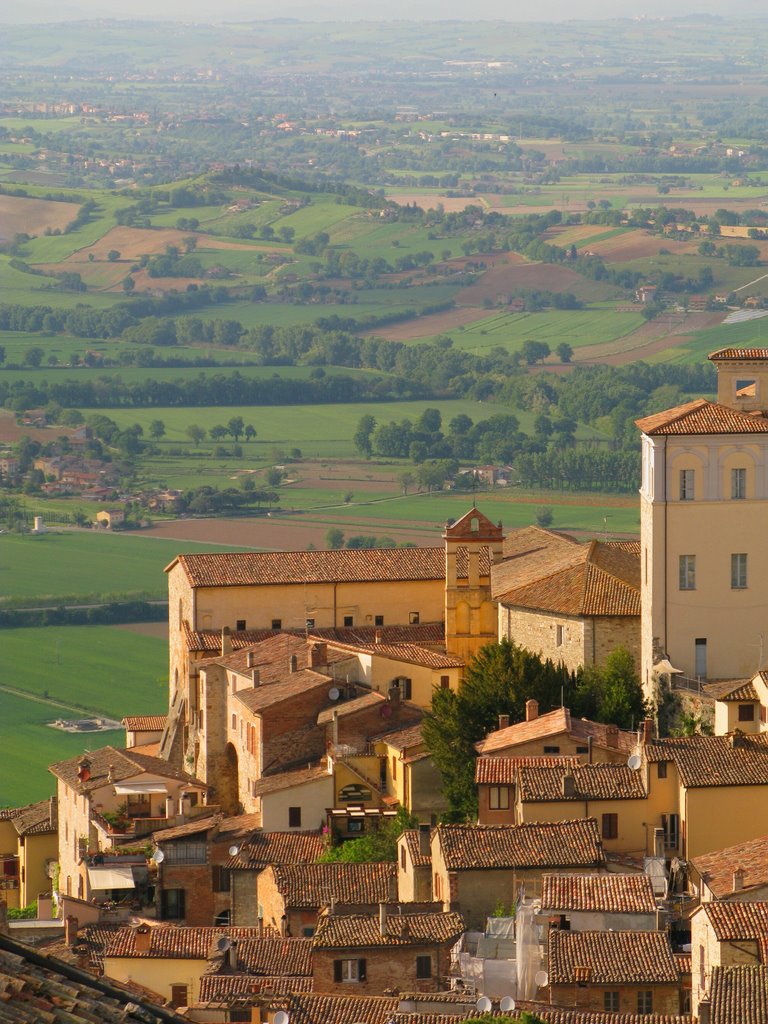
{"type": "Point", "coordinates": [101, 668]}
{"type": "Point", "coordinates": [33, 216]}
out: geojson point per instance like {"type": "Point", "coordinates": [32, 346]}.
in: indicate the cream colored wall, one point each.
{"type": "Point", "coordinates": [722, 816]}
{"type": "Point", "coordinates": [157, 974]}
{"type": "Point", "coordinates": [383, 671]}
{"type": "Point", "coordinates": [8, 837]}
{"type": "Point", "coordinates": [34, 856]}
{"type": "Point", "coordinates": [74, 822]}
{"type": "Point", "coordinates": [537, 631]}
{"type": "Point", "coordinates": [727, 376]}
{"type": "Point", "coordinates": [366, 774]}
{"type": "Point", "coordinates": [313, 798]}
{"type": "Point", "coordinates": [727, 718]}
{"type": "Point", "coordinates": [632, 818]}
{"type": "Point", "coordinates": [424, 790]}
{"type": "Point", "coordinates": [567, 747]}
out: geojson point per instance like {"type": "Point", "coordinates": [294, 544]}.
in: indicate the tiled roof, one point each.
{"type": "Point", "coordinates": [145, 723]}
{"type": "Point", "coordinates": [702, 417]}
{"type": "Point", "coordinates": [313, 885]}
{"type": "Point", "coordinates": [713, 760]}
{"type": "Point", "coordinates": [171, 942]}
{"type": "Point", "coordinates": [502, 771]}
{"type": "Point", "coordinates": [724, 354]}
{"type": "Point", "coordinates": [607, 893]}
{"type": "Point", "coordinates": [623, 958]}
{"type": "Point", "coordinates": [556, 844]}
{"type": "Point", "coordinates": [555, 723]}
{"type": "Point", "coordinates": [717, 869]}
{"type": "Point", "coordinates": [737, 920]}
{"type": "Point", "coordinates": [592, 579]}
{"type": "Point", "coordinates": [412, 654]}
{"type": "Point", "coordinates": [274, 956]}
{"type": "Point", "coordinates": [259, 698]}
{"type": "Point", "coordinates": [418, 859]}
{"type": "Point", "coordinates": [265, 848]}
{"type": "Point", "coordinates": [591, 782]}
{"type": "Point", "coordinates": [341, 1009]}
{"type": "Point", "coordinates": [122, 764]}
{"type": "Point", "coordinates": [346, 931]}
{"type": "Point", "coordinates": [222, 987]}
{"type": "Point", "coordinates": [351, 707]}
{"type": "Point", "coordinates": [741, 690]}
{"type": "Point", "coordinates": [739, 994]}
{"type": "Point", "coordinates": [289, 779]}
{"type": "Point", "coordinates": [684, 963]}
{"type": "Point", "coordinates": [258, 568]}
{"type": "Point", "coordinates": [36, 819]}
{"type": "Point", "coordinates": [274, 656]}
{"type": "Point", "coordinates": [31, 993]}
{"type": "Point", "coordinates": [554, 1015]}
{"type": "Point", "coordinates": [425, 633]}
{"type": "Point", "coordinates": [189, 828]}
{"type": "Point", "coordinates": [402, 739]}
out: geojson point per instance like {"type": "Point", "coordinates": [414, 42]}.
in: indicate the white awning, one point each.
{"type": "Point", "coordinates": [139, 788]}
{"type": "Point", "coordinates": [111, 876]}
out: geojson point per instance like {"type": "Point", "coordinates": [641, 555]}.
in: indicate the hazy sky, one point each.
{"type": "Point", "coordinates": [511, 10]}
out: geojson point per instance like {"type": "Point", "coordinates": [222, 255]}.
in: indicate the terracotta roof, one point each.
{"type": "Point", "coordinates": [351, 707]}
{"type": "Point", "coordinates": [592, 579]}
{"type": "Point", "coordinates": [189, 828]}
{"type": "Point", "coordinates": [555, 723]}
{"type": "Point", "coordinates": [171, 942]}
{"type": "Point", "coordinates": [425, 633]}
{"type": "Point", "coordinates": [313, 885]}
{"type": "Point", "coordinates": [717, 869]}
{"type": "Point", "coordinates": [702, 417]}
{"type": "Point", "coordinates": [402, 739]}
{"type": "Point", "coordinates": [724, 354]}
{"type": "Point", "coordinates": [591, 782]}
{"type": "Point", "coordinates": [145, 723]}
{"type": "Point", "coordinates": [418, 859]}
{"type": "Point", "coordinates": [258, 568]}
{"type": "Point", "coordinates": [502, 771]}
{"type": "Point", "coordinates": [737, 920]}
{"type": "Point", "coordinates": [684, 962]}
{"type": "Point", "coordinates": [713, 760]}
{"type": "Point", "coordinates": [741, 690]}
{"type": "Point", "coordinates": [122, 764]}
{"type": "Point", "coordinates": [341, 1009]}
{"type": "Point", "coordinates": [216, 988]}
{"type": "Point", "coordinates": [622, 958]}
{"type": "Point", "coordinates": [533, 844]}
{"type": "Point", "coordinates": [554, 1015]}
{"type": "Point", "coordinates": [739, 994]}
{"type": "Point", "coordinates": [36, 819]}
{"type": "Point", "coordinates": [259, 698]}
{"type": "Point", "coordinates": [346, 931]}
{"type": "Point", "coordinates": [608, 893]}
{"type": "Point", "coordinates": [265, 848]}
{"type": "Point", "coordinates": [31, 993]}
{"type": "Point", "coordinates": [412, 654]}
{"type": "Point", "coordinates": [271, 956]}
{"type": "Point", "coordinates": [289, 779]}
{"type": "Point", "coordinates": [274, 655]}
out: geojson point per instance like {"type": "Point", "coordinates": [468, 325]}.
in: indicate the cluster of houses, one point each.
{"type": "Point", "coordinates": [611, 876]}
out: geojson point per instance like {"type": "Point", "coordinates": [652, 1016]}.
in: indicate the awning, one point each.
{"type": "Point", "coordinates": [111, 876]}
{"type": "Point", "coordinates": [139, 788]}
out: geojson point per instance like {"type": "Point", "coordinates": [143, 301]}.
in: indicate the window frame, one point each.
{"type": "Point", "coordinates": [611, 1001]}
{"type": "Point", "coordinates": [349, 971]}
{"type": "Point", "coordinates": [738, 483]}
{"type": "Point", "coordinates": [746, 713]}
{"type": "Point", "coordinates": [645, 1000]}
{"type": "Point", "coordinates": [687, 572]}
{"type": "Point", "coordinates": [609, 825]}
{"type": "Point", "coordinates": [739, 571]}
{"type": "Point", "coordinates": [498, 798]}
{"type": "Point", "coordinates": [423, 967]}
{"type": "Point", "coordinates": [687, 484]}
{"type": "Point", "coordinates": [294, 817]}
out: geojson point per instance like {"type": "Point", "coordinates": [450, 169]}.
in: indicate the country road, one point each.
{"type": "Point", "coordinates": [80, 712]}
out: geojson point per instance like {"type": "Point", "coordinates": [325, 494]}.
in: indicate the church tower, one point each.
{"type": "Point", "coordinates": [472, 544]}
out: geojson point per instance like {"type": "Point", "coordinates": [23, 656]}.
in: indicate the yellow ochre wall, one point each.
{"type": "Point", "coordinates": [157, 974]}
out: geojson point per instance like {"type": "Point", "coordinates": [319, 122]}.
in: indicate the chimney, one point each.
{"type": "Point", "coordinates": [394, 696]}
{"type": "Point", "coordinates": [383, 920]}
{"type": "Point", "coordinates": [293, 663]}
{"type": "Point", "coordinates": [569, 785]}
{"type": "Point", "coordinates": [335, 727]}
{"type": "Point", "coordinates": [612, 735]}
{"type": "Point", "coordinates": [256, 677]}
{"type": "Point", "coordinates": [318, 655]}
{"type": "Point", "coordinates": [142, 938]}
{"type": "Point", "coordinates": [377, 636]}
{"type": "Point", "coordinates": [705, 1011]}
{"type": "Point", "coordinates": [738, 879]}
{"type": "Point", "coordinates": [250, 659]}
{"type": "Point", "coordinates": [109, 773]}
{"type": "Point", "coordinates": [83, 769]}
{"type": "Point", "coordinates": [332, 906]}
{"type": "Point", "coordinates": [531, 710]}
{"type": "Point", "coordinates": [503, 721]}
{"type": "Point", "coordinates": [647, 731]}
{"type": "Point", "coordinates": [737, 740]}
{"type": "Point", "coordinates": [71, 925]}
{"type": "Point", "coordinates": [232, 955]}
{"type": "Point", "coordinates": [425, 840]}
{"type": "Point", "coordinates": [226, 641]}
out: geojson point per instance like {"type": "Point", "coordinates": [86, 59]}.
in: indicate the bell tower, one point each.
{"type": "Point", "coordinates": [472, 544]}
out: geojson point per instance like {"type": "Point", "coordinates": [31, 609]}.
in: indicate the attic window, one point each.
{"type": "Point", "coordinates": [746, 712]}
{"type": "Point", "coordinates": [474, 524]}
{"type": "Point", "coordinates": [240, 625]}
{"type": "Point", "coordinates": [746, 388]}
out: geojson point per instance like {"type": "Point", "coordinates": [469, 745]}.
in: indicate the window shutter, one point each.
{"type": "Point", "coordinates": [361, 973]}
{"type": "Point", "coordinates": [337, 970]}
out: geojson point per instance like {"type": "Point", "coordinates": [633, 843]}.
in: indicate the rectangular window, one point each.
{"type": "Point", "coordinates": [172, 904]}
{"type": "Point", "coordinates": [234, 722]}
{"type": "Point", "coordinates": [738, 572]}
{"type": "Point", "coordinates": [671, 825]}
{"type": "Point", "coordinates": [661, 770]}
{"type": "Point", "coordinates": [610, 826]}
{"type": "Point", "coordinates": [645, 1001]}
{"type": "Point", "coordinates": [686, 484]}
{"type": "Point", "coordinates": [354, 824]}
{"type": "Point", "coordinates": [220, 878]}
{"type": "Point", "coordinates": [294, 817]}
{"type": "Point", "coordinates": [746, 712]}
{"type": "Point", "coordinates": [378, 620]}
{"type": "Point", "coordinates": [559, 639]}
{"type": "Point", "coordinates": [498, 798]}
{"type": "Point", "coordinates": [240, 625]}
{"type": "Point", "coordinates": [402, 857]}
{"type": "Point", "coordinates": [413, 618]}
{"type": "Point", "coordinates": [349, 621]}
{"type": "Point", "coordinates": [423, 966]}
{"type": "Point", "coordinates": [549, 749]}
{"type": "Point", "coordinates": [277, 623]}
{"type": "Point", "coordinates": [687, 572]}
{"type": "Point", "coordinates": [700, 657]}
{"type": "Point", "coordinates": [611, 1002]}
{"type": "Point", "coordinates": [445, 682]}
{"type": "Point", "coordinates": [310, 623]}
{"type": "Point", "coordinates": [738, 483]}
{"type": "Point", "coordinates": [179, 995]}
{"type": "Point", "coordinates": [349, 971]}
{"type": "Point", "coordinates": [185, 853]}
{"type": "Point", "coordinates": [394, 766]}
{"type": "Point", "coordinates": [582, 750]}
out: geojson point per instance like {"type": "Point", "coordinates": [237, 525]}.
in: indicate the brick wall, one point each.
{"type": "Point", "coordinates": [387, 968]}
{"type": "Point", "coordinates": [666, 998]}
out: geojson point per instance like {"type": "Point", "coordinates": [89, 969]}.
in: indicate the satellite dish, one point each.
{"type": "Point", "coordinates": [507, 1004]}
{"type": "Point", "coordinates": [223, 944]}
{"type": "Point", "coordinates": [233, 851]}
{"type": "Point", "coordinates": [281, 1017]}
{"type": "Point", "coordinates": [333, 694]}
{"type": "Point", "coordinates": [484, 1005]}
{"type": "Point", "coordinates": [158, 856]}
{"type": "Point", "coordinates": [634, 762]}
{"type": "Point", "coordinates": [541, 978]}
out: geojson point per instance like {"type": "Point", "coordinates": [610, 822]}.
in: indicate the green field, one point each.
{"type": "Point", "coordinates": [84, 564]}
{"type": "Point", "coordinates": [102, 668]}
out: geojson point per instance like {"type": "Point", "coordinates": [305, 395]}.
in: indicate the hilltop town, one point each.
{"type": "Point", "coordinates": [289, 842]}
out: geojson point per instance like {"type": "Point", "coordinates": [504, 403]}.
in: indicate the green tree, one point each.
{"type": "Point", "coordinates": [545, 516]}
{"type": "Point", "coordinates": [274, 476]}
{"type": "Point", "coordinates": [380, 845]}
{"type": "Point", "coordinates": [334, 539]}
{"type": "Point", "coordinates": [33, 356]}
{"type": "Point", "coordinates": [156, 429]}
{"type": "Point", "coordinates": [113, 255]}
{"type": "Point", "coordinates": [235, 427]}
{"type": "Point", "coordinates": [250, 432]}
{"type": "Point", "coordinates": [128, 285]}
{"type": "Point", "coordinates": [564, 352]}
{"type": "Point", "coordinates": [535, 351]}
{"type": "Point", "coordinates": [362, 437]}
{"type": "Point", "coordinates": [195, 433]}
{"type": "Point", "coordinates": [612, 693]}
